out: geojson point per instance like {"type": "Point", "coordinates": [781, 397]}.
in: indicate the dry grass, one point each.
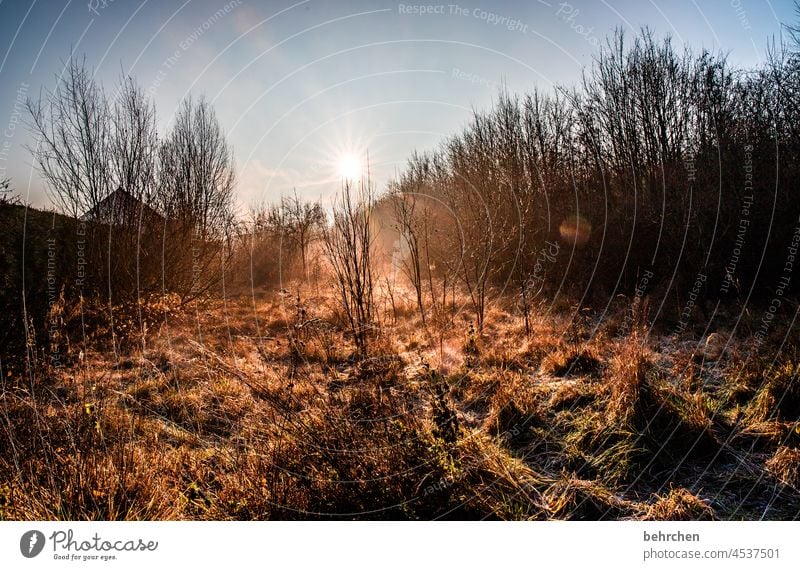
{"type": "Point", "coordinates": [779, 395]}
{"type": "Point", "coordinates": [576, 499]}
{"type": "Point", "coordinates": [573, 361]}
{"type": "Point", "coordinates": [679, 505]}
{"type": "Point", "coordinates": [784, 465]}
{"type": "Point", "coordinates": [259, 409]}
{"type": "Point", "coordinates": [630, 366]}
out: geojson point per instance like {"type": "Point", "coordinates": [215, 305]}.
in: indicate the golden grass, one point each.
{"type": "Point", "coordinates": [233, 411]}
{"type": "Point", "coordinates": [784, 465]}
{"type": "Point", "coordinates": [679, 505]}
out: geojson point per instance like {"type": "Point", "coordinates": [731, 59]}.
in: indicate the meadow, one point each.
{"type": "Point", "coordinates": [256, 407]}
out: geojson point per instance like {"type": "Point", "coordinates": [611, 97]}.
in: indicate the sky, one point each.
{"type": "Point", "coordinates": [306, 90]}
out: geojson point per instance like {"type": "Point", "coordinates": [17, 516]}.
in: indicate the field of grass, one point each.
{"type": "Point", "coordinates": [254, 407]}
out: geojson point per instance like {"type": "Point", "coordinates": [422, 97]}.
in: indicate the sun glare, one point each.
{"type": "Point", "coordinates": [349, 167]}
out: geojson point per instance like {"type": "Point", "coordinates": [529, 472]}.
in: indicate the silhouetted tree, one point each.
{"type": "Point", "coordinates": [348, 244]}
{"type": "Point", "coordinates": [195, 192]}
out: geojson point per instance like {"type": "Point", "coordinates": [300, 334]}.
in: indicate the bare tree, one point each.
{"type": "Point", "coordinates": [73, 149]}
{"type": "Point", "coordinates": [196, 194]}
{"type": "Point", "coordinates": [477, 195]}
{"type": "Point", "coordinates": [297, 223]}
{"type": "Point", "coordinates": [87, 146]}
{"type": "Point", "coordinates": [404, 206]}
{"type": "Point", "coordinates": [6, 195]}
{"type": "Point", "coordinates": [196, 172]}
{"type": "Point", "coordinates": [134, 144]}
{"type": "Point", "coordinates": [349, 248]}
{"type": "Point", "coordinates": [794, 29]}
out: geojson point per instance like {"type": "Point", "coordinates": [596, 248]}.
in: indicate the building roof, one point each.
{"type": "Point", "coordinates": [121, 208]}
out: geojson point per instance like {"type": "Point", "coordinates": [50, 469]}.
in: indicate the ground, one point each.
{"type": "Point", "coordinates": [254, 407]}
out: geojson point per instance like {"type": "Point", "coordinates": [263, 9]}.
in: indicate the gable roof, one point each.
{"type": "Point", "coordinates": [121, 208]}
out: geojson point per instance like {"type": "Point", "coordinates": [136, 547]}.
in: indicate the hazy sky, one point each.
{"type": "Point", "coordinates": [300, 85]}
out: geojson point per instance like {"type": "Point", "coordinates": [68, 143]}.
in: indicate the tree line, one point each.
{"type": "Point", "coordinates": [661, 165]}
{"type": "Point", "coordinates": [156, 209]}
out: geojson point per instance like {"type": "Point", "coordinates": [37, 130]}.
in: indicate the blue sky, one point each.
{"type": "Point", "coordinates": [299, 85]}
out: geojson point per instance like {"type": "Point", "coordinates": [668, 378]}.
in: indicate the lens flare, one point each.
{"type": "Point", "coordinates": [575, 230]}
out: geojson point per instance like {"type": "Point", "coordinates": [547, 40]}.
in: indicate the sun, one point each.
{"type": "Point", "coordinates": [349, 167]}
